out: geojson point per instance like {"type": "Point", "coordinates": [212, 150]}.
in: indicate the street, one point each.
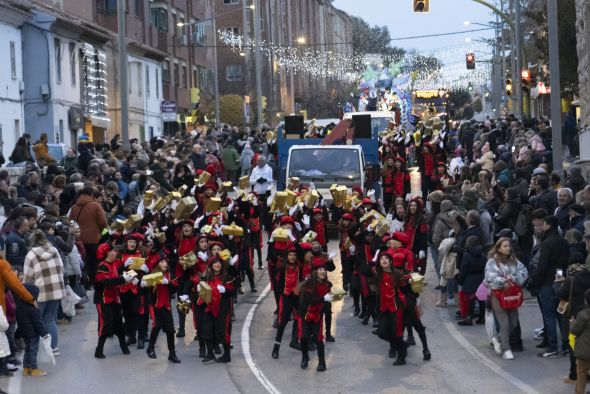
{"type": "Point", "coordinates": [462, 361]}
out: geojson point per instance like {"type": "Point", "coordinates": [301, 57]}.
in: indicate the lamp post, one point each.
{"type": "Point", "coordinates": [552, 21]}
{"type": "Point", "coordinates": [258, 62]}
{"type": "Point", "coordinates": [122, 43]}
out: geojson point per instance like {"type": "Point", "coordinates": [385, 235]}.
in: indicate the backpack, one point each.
{"type": "Point", "coordinates": [522, 225]}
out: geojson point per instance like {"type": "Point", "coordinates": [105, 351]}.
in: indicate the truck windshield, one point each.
{"type": "Point", "coordinates": [379, 124]}
{"type": "Point", "coordinates": [325, 163]}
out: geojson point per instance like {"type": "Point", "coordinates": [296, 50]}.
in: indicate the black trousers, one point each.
{"type": "Point", "coordinates": [288, 307]}
{"type": "Point", "coordinates": [163, 321]}
{"type": "Point", "coordinates": [135, 313]}
{"type": "Point", "coordinates": [217, 329]}
{"type": "Point", "coordinates": [91, 261]}
{"type": "Point", "coordinates": [110, 320]}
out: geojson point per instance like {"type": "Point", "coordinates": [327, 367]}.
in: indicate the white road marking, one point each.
{"type": "Point", "coordinates": [487, 361]}
{"type": "Point", "coordinates": [245, 340]}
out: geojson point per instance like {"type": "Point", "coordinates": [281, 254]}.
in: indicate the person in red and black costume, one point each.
{"type": "Point", "coordinates": [426, 158]}
{"type": "Point", "coordinates": [318, 225]}
{"type": "Point", "coordinates": [346, 230]}
{"type": "Point", "coordinates": [416, 227]}
{"type": "Point", "coordinates": [440, 179]}
{"type": "Point", "coordinates": [107, 300]}
{"type": "Point", "coordinates": [306, 258]}
{"type": "Point", "coordinates": [289, 277]}
{"type": "Point", "coordinates": [277, 249]}
{"type": "Point", "coordinates": [133, 301]}
{"type": "Point", "coordinates": [314, 294]}
{"type": "Point", "coordinates": [387, 178]}
{"type": "Point", "coordinates": [217, 318]}
{"type": "Point", "coordinates": [241, 247]}
{"type": "Point", "coordinates": [364, 250]}
{"type": "Point", "coordinates": [391, 305]}
{"type": "Point", "coordinates": [324, 260]}
{"type": "Point", "coordinates": [252, 214]}
{"type": "Point", "coordinates": [160, 300]}
{"type": "Point", "coordinates": [186, 242]}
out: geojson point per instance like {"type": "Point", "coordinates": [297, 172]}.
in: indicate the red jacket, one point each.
{"type": "Point", "coordinates": [108, 283]}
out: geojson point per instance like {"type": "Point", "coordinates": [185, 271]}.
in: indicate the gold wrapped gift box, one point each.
{"type": "Point", "coordinates": [279, 201]}
{"type": "Point", "coordinates": [417, 283]}
{"type": "Point", "coordinates": [382, 229]}
{"type": "Point", "coordinates": [280, 234]}
{"type": "Point", "coordinates": [225, 255]}
{"type": "Point", "coordinates": [311, 198]}
{"type": "Point", "coordinates": [133, 221]}
{"type": "Point", "coordinates": [338, 294]}
{"type": "Point", "coordinates": [293, 183]}
{"type": "Point", "coordinates": [162, 202]}
{"type": "Point", "coordinates": [183, 189]}
{"type": "Point", "coordinates": [137, 263]}
{"type": "Point", "coordinates": [291, 198]}
{"type": "Point", "coordinates": [232, 229]}
{"type": "Point", "coordinates": [213, 204]}
{"type": "Point", "coordinates": [148, 198]}
{"type": "Point", "coordinates": [205, 293]}
{"type": "Point", "coordinates": [226, 186]}
{"type": "Point", "coordinates": [309, 237]}
{"type": "Point", "coordinates": [244, 182]}
{"type": "Point", "coordinates": [183, 307]}
{"type": "Point", "coordinates": [153, 279]}
{"type": "Point", "coordinates": [160, 236]}
{"type": "Point", "coordinates": [206, 229]}
{"type": "Point", "coordinates": [185, 208]}
{"type": "Point", "coordinates": [188, 260]}
{"type": "Point", "coordinates": [118, 225]}
{"type": "Point", "coordinates": [203, 178]}
{"type": "Point", "coordinates": [338, 194]}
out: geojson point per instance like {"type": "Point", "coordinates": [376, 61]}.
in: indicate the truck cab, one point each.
{"type": "Point", "coordinates": [325, 165]}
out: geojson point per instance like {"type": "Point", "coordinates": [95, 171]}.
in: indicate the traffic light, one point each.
{"type": "Point", "coordinates": [470, 86]}
{"type": "Point", "coordinates": [526, 79]}
{"type": "Point", "coordinates": [509, 87]}
{"type": "Point", "coordinates": [470, 60]}
{"type": "Point", "coordinates": [421, 5]}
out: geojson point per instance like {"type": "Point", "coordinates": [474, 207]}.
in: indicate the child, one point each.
{"type": "Point", "coordinates": [162, 313]}
{"type": "Point", "coordinates": [580, 327]}
{"type": "Point", "coordinates": [31, 327]}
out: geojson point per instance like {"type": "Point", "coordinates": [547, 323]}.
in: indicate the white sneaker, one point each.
{"type": "Point", "coordinates": [451, 301]}
{"type": "Point", "coordinates": [56, 351]}
{"type": "Point", "coordinates": [508, 355]}
{"type": "Point", "coordinates": [497, 346]}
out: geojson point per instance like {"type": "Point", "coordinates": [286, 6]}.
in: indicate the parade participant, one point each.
{"type": "Point", "coordinates": [398, 217]}
{"type": "Point", "coordinates": [325, 260]}
{"type": "Point", "coordinates": [252, 216]}
{"type": "Point", "coordinates": [391, 304]}
{"type": "Point", "coordinates": [426, 163]}
{"type": "Point", "coordinates": [289, 276]}
{"type": "Point", "coordinates": [440, 179]}
{"type": "Point", "coordinates": [217, 317]}
{"type": "Point", "coordinates": [314, 293]}
{"type": "Point", "coordinates": [306, 257]}
{"type": "Point", "coordinates": [346, 258]}
{"type": "Point", "coordinates": [396, 182]}
{"type": "Point", "coordinates": [318, 225]}
{"type": "Point", "coordinates": [160, 300]}
{"type": "Point", "coordinates": [387, 178]}
{"type": "Point", "coordinates": [416, 227]}
{"type": "Point", "coordinates": [132, 302]}
{"type": "Point", "coordinates": [107, 300]}
{"type": "Point", "coordinates": [278, 249]}
{"type": "Point", "coordinates": [363, 262]}
{"type": "Point", "coordinates": [186, 242]}
{"type": "Point", "coordinates": [241, 248]}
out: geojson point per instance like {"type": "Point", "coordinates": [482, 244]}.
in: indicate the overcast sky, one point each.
{"type": "Point", "coordinates": [445, 16]}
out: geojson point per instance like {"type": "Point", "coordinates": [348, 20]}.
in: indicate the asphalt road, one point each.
{"type": "Point", "coordinates": [462, 361]}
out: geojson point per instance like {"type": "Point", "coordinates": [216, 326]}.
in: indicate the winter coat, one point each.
{"type": "Point", "coordinates": [72, 263]}
{"type": "Point", "coordinates": [16, 249]}
{"type": "Point", "coordinates": [90, 217]}
{"type": "Point", "coordinates": [8, 279]}
{"type": "Point", "coordinates": [486, 161]}
{"type": "Point", "coordinates": [198, 161]}
{"type": "Point", "coordinates": [28, 316]}
{"type": "Point", "coordinates": [563, 214]}
{"type": "Point", "coordinates": [44, 268]}
{"type": "Point", "coordinates": [41, 151]}
{"type": "Point", "coordinates": [4, 345]}
{"type": "Point", "coordinates": [159, 177]}
{"type": "Point", "coordinates": [554, 253]}
{"type": "Point", "coordinates": [20, 154]}
{"type": "Point", "coordinates": [230, 158]}
{"type": "Point", "coordinates": [579, 283]}
{"type": "Point", "coordinates": [546, 200]}
{"type": "Point", "coordinates": [246, 157]}
{"type": "Point", "coordinates": [448, 259]}
{"type": "Point", "coordinates": [496, 274]}
{"type": "Point", "coordinates": [580, 327]}
{"type": "Point", "coordinates": [445, 222]}
{"type": "Point", "coordinates": [507, 214]}
{"type": "Point", "coordinates": [472, 268]}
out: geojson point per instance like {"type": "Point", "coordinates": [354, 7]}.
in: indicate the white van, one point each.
{"type": "Point", "coordinates": [326, 165]}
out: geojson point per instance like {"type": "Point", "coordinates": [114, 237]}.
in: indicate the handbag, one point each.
{"type": "Point", "coordinates": [510, 297]}
{"type": "Point", "coordinates": [565, 307]}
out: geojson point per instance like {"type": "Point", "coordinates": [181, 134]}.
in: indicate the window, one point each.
{"type": "Point", "coordinates": [12, 60]}
{"type": "Point", "coordinates": [181, 27]}
{"type": "Point", "coordinates": [233, 73]}
{"type": "Point", "coordinates": [157, 82]}
{"type": "Point", "coordinates": [159, 19]}
{"type": "Point", "coordinates": [108, 7]}
{"type": "Point", "coordinates": [57, 49]}
{"type": "Point", "coordinates": [202, 81]}
{"type": "Point", "coordinates": [233, 30]}
{"type": "Point", "coordinates": [60, 136]}
{"type": "Point", "coordinates": [17, 128]}
{"type": "Point", "coordinates": [176, 74]}
{"type": "Point", "coordinates": [165, 72]}
{"type": "Point", "coordinates": [184, 77]}
{"type": "Point", "coordinates": [139, 8]}
{"type": "Point", "coordinates": [147, 80]}
{"type": "Point", "coordinates": [73, 63]}
{"type": "Point", "coordinates": [231, 2]}
{"type": "Point", "coordinates": [195, 80]}
{"type": "Point", "coordinates": [139, 80]}
{"type": "Point", "coordinates": [198, 34]}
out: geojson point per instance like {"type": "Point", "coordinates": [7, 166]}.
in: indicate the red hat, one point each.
{"type": "Point", "coordinates": [303, 187]}
{"type": "Point", "coordinates": [317, 210]}
{"type": "Point", "coordinates": [348, 216]}
{"type": "Point", "coordinates": [134, 236]}
{"type": "Point", "coordinates": [199, 172]}
{"type": "Point", "coordinates": [228, 200]}
{"type": "Point", "coordinates": [190, 222]}
{"type": "Point", "coordinates": [367, 201]}
{"type": "Point", "coordinates": [318, 262]}
{"type": "Point", "coordinates": [214, 243]}
{"type": "Point", "coordinates": [305, 246]}
{"type": "Point", "coordinates": [358, 190]}
{"type": "Point", "coordinates": [103, 250]}
{"type": "Point", "coordinates": [441, 163]}
{"type": "Point", "coordinates": [291, 249]}
{"type": "Point", "coordinates": [399, 158]}
{"type": "Point", "coordinates": [418, 200]}
{"type": "Point", "coordinates": [211, 169]}
{"type": "Point", "coordinates": [287, 220]}
{"type": "Point", "coordinates": [401, 237]}
{"type": "Point", "coordinates": [214, 259]}
{"type": "Point", "coordinates": [212, 186]}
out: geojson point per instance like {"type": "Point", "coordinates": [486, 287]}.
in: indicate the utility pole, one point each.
{"type": "Point", "coordinates": [517, 79]}
{"type": "Point", "coordinates": [258, 62]}
{"type": "Point", "coordinates": [123, 92]}
{"type": "Point", "coordinates": [552, 20]}
{"type": "Point", "coordinates": [215, 66]}
{"type": "Point", "coordinates": [503, 43]}
{"type": "Point", "coordinates": [291, 73]}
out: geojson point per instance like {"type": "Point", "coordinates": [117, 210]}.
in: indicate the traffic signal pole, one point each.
{"type": "Point", "coordinates": [555, 83]}
{"type": "Point", "coordinates": [518, 78]}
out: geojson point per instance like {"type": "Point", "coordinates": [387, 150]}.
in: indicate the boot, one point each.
{"type": "Point", "coordinates": [181, 321]}
{"type": "Point", "coordinates": [425, 351]}
{"type": "Point", "coordinates": [364, 312]}
{"type": "Point", "coordinates": [131, 341]}
{"type": "Point", "coordinates": [275, 351]}
{"type": "Point", "coordinates": [442, 303]}
{"type": "Point", "coordinates": [216, 348]}
{"type": "Point", "coordinates": [99, 352]}
{"type": "Point", "coordinates": [402, 351]}
{"type": "Point", "coordinates": [365, 319]}
{"type": "Point", "coordinates": [171, 349]}
{"type": "Point", "coordinates": [180, 333]}
{"type": "Point", "coordinates": [294, 345]}
{"type": "Point", "coordinates": [226, 358]}
{"type": "Point", "coordinates": [357, 310]}
{"type": "Point", "coordinates": [304, 353]}
{"type": "Point", "coordinates": [140, 342]}
{"type": "Point", "coordinates": [210, 356]}
{"type": "Point", "coordinates": [392, 353]}
{"type": "Point", "coordinates": [123, 344]}
{"type": "Point", "coordinates": [173, 359]}
{"type": "Point", "coordinates": [202, 349]}
{"type": "Point", "coordinates": [466, 322]}
{"type": "Point", "coordinates": [150, 351]}
{"type": "Point", "coordinates": [152, 343]}
{"type": "Point", "coordinates": [322, 358]}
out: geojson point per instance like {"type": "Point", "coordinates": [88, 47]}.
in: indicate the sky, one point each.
{"type": "Point", "coordinates": [445, 16]}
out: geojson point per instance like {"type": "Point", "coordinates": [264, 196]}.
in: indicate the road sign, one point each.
{"type": "Point", "coordinates": [168, 110]}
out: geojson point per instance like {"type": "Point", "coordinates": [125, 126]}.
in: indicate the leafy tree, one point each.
{"type": "Point", "coordinates": [231, 108]}
{"type": "Point", "coordinates": [373, 40]}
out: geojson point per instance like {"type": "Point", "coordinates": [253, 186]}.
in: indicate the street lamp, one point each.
{"type": "Point", "coordinates": [301, 40]}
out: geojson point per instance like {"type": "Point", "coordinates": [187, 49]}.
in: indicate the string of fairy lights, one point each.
{"type": "Point", "coordinates": [450, 73]}
{"type": "Point", "coordinates": [94, 90]}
